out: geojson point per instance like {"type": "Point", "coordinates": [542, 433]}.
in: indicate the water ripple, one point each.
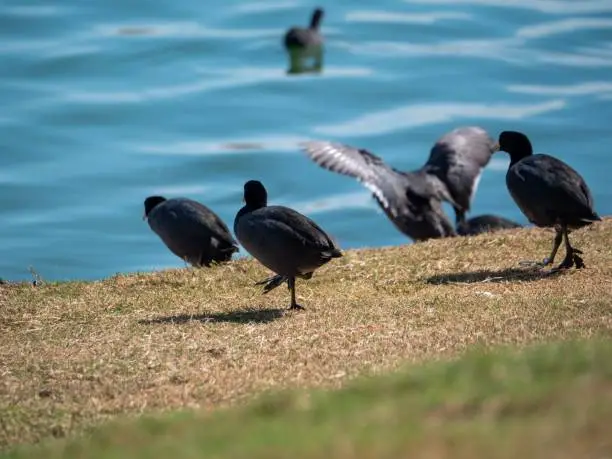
{"type": "Point", "coordinates": [543, 6]}
{"type": "Point", "coordinates": [498, 49]}
{"type": "Point", "coordinates": [35, 10]}
{"type": "Point", "coordinates": [547, 29]}
{"type": "Point", "coordinates": [405, 18]}
{"type": "Point", "coordinates": [235, 78]}
{"type": "Point", "coordinates": [334, 202]}
{"type": "Point", "coordinates": [573, 59]}
{"type": "Point", "coordinates": [579, 89]}
{"type": "Point", "coordinates": [180, 30]}
{"type": "Point", "coordinates": [279, 144]}
{"type": "Point", "coordinates": [423, 114]}
{"type": "Point", "coordinates": [263, 6]}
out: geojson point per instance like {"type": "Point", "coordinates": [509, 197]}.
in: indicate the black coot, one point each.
{"type": "Point", "coordinates": [304, 43]}
{"type": "Point", "coordinates": [549, 192]}
{"type": "Point", "coordinates": [283, 240]}
{"type": "Point", "coordinates": [412, 200]}
{"type": "Point", "coordinates": [301, 37]}
{"type": "Point", "coordinates": [485, 224]}
{"type": "Point", "coordinates": [190, 230]}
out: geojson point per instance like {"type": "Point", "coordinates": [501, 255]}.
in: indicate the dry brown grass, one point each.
{"type": "Point", "coordinates": [74, 354]}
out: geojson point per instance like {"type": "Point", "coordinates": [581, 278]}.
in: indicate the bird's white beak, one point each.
{"type": "Point", "coordinates": [496, 147]}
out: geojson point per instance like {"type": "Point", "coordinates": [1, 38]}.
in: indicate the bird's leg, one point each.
{"type": "Point", "coordinates": [294, 305]}
{"type": "Point", "coordinates": [548, 261]}
{"type": "Point", "coordinates": [556, 244]}
{"type": "Point", "coordinates": [572, 256]}
{"type": "Point", "coordinates": [460, 222]}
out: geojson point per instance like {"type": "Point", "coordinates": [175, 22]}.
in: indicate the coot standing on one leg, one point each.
{"type": "Point", "coordinates": [190, 230]}
{"type": "Point", "coordinates": [282, 239]}
{"type": "Point", "coordinates": [549, 192]}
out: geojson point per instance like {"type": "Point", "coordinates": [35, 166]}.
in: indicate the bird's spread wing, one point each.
{"type": "Point", "coordinates": [458, 158]}
{"type": "Point", "coordinates": [386, 184]}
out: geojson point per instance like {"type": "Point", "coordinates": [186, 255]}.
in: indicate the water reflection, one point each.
{"type": "Point", "coordinates": [308, 60]}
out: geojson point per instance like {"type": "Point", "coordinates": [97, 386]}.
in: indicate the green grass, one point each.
{"type": "Point", "coordinates": [552, 400]}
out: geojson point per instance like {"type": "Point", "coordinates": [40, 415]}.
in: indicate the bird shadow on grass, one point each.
{"type": "Point", "coordinates": [242, 316]}
{"type": "Point", "coordinates": [483, 276]}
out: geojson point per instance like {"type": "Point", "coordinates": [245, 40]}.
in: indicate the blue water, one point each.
{"type": "Point", "coordinates": [105, 103]}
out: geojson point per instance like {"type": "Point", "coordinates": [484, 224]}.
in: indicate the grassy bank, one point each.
{"type": "Point", "coordinates": [75, 354]}
{"type": "Point", "coordinates": [554, 401]}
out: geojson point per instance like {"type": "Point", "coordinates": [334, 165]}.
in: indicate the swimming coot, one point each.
{"type": "Point", "coordinates": [549, 192]}
{"type": "Point", "coordinates": [283, 240]}
{"type": "Point", "coordinates": [305, 43]}
{"type": "Point", "coordinates": [302, 38]}
{"type": "Point", "coordinates": [190, 230]}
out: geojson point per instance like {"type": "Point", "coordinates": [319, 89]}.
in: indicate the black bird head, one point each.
{"type": "Point", "coordinates": [255, 194]}
{"type": "Point", "coordinates": [315, 21]}
{"type": "Point", "coordinates": [150, 203]}
{"type": "Point", "coordinates": [516, 144]}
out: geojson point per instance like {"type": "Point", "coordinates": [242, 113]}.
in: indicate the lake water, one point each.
{"type": "Point", "coordinates": [107, 102]}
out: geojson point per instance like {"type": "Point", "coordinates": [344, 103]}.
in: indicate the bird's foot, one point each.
{"type": "Point", "coordinates": [578, 261]}
{"type": "Point", "coordinates": [567, 263]}
{"type": "Point", "coordinates": [572, 259]}
{"type": "Point", "coordinates": [297, 307]}
{"type": "Point", "coordinates": [270, 283]}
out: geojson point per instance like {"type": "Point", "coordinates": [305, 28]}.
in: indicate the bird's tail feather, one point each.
{"type": "Point", "coordinates": [333, 253]}
{"type": "Point", "coordinates": [593, 218]}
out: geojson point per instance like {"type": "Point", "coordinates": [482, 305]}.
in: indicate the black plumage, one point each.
{"type": "Point", "coordinates": [305, 37]}
{"type": "Point", "coordinates": [549, 192]}
{"type": "Point", "coordinates": [282, 239]}
{"type": "Point", "coordinates": [413, 200]}
{"type": "Point", "coordinates": [190, 230]}
{"type": "Point", "coordinates": [485, 224]}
